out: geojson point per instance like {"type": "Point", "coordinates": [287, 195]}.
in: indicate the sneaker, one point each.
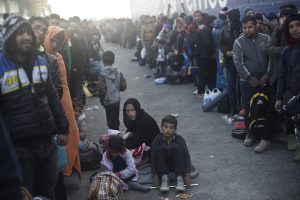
{"type": "Point", "coordinates": [180, 184]}
{"type": "Point", "coordinates": [249, 140]}
{"type": "Point", "coordinates": [292, 142]}
{"type": "Point", "coordinates": [263, 146]}
{"type": "Point", "coordinates": [164, 186]}
{"type": "Point", "coordinates": [195, 92]}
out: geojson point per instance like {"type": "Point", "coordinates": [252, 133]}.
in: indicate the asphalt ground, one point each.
{"type": "Point", "coordinates": [227, 169]}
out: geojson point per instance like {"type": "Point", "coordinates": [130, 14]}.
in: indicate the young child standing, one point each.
{"type": "Point", "coordinates": [111, 83]}
{"type": "Point", "coordinates": [170, 154]}
{"type": "Point", "coordinates": [119, 160]}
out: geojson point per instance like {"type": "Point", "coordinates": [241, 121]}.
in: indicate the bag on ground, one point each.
{"type": "Point", "coordinates": [106, 186]}
{"type": "Point", "coordinates": [90, 157]}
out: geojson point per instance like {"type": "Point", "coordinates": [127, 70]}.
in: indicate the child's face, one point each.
{"type": "Point", "coordinates": [168, 130]}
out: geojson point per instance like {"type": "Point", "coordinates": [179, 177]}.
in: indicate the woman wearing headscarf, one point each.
{"type": "Point", "coordinates": [54, 41]}
{"type": "Point", "coordinates": [141, 125]}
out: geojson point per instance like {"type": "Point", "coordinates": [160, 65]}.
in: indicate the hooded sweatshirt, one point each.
{"type": "Point", "coordinates": [111, 82]}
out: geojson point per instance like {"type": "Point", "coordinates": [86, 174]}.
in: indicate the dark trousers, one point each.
{"type": "Point", "coordinates": [60, 190]}
{"type": "Point", "coordinates": [38, 168]}
{"type": "Point", "coordinates": [112, 116]}
{"type": "Point", "coordinates": [231, 75]}
{"type": "Point", "coordinates": [207, 74]}
{"type": "Point", "coordinates": [272, 115]}
{"type": "Point", "coordinates": [170, 159]}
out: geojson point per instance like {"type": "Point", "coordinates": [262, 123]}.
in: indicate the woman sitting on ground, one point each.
{"type": "Point", "coordinates": [142, 127]}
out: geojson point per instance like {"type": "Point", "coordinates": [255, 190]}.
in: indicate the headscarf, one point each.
{"type": "Point", "coordinates": [130, 124]}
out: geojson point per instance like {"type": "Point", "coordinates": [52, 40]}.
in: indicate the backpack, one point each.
{"type": "Point", "coordinates": [258, 108]}
{"type": "Point", "coordinates": [90, 157]}
{"type": "Point", "coordinates": [106, 186]}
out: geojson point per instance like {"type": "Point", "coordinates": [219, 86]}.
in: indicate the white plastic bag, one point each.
{"type": "Point", "coordinates": [207, 97]}
{"type": "Point", "coordinates": [143, 53]}
{"type": "Point", "coordinates": [214, 93]}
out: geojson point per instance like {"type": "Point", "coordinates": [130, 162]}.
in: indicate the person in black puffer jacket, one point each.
{"type": "Point", "coordinates": [31, 107]}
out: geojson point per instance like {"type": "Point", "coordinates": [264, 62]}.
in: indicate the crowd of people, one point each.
{"type": "Point", "coordinates": [45, 61]}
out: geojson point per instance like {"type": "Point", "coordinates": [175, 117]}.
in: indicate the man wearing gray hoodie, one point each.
{"type": "Point", "coordinates": [111, 83]}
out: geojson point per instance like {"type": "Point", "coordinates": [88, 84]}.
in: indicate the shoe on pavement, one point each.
{"type": "Point", "coordinates": [164, 186]}
{"type": "Point", "coordinates": [195, 92]}
{"type": "Point", "coordinates": [249, 140]}
{"type": "Point", "coordinates": [180, 184]}
{"type": "Point", "coordinates": [263, 146]}
{"type": "Point", "coordinates": [292, 142]}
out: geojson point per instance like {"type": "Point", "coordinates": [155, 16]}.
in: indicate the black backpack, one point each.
{"type": "Point", "coordinates": [90, 157]}
{"type": "Point", "coordinates": [258, 108]}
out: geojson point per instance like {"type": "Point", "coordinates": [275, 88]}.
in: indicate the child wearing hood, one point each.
{"type": "Point", "coordinates": [111, 83]}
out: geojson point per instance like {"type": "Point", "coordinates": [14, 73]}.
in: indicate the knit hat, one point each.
{"type": "Point", "coordinates": [234, 15]}
{"type": "Point", "coordinates": [287, 10]}
{"type": "Point", "coordinates": [222, 13]}
{"type": "Point", "coordinates": [11, 24]}
{"type": "Point", "coordinates": [167, 26]}
{"type": "Point", "coordinates": [293, 17]}
{"type": "Point", "coordinates": [272, 16]}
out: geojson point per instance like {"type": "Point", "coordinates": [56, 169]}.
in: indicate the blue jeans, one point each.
{"type": "Point", "coordinates": [246, 91]}
{"type": "Point", "coordinates": [231, 75]}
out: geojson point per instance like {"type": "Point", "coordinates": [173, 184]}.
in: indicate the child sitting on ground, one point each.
{"type": "Point", "coordinates": [119, 160]}
{"type": "Point", "coordinates": [169, 153]}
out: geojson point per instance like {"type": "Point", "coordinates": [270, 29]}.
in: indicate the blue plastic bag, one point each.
{"type": "Point", "coordinates": [61, 158]}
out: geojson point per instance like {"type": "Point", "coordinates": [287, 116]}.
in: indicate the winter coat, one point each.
{"type": "Point", "coordinates": [111, 83]}
{"type": "Point", "coordinates": [227, 38]}
{"type": "Point", "coordinates": [160, 141]}
{"type": "Point", "coordinates": [66, 101]}
{"type": "Point", "coordinates": [276, 46]}
{"type": "Point", "coordinates": [144, 128]}
{"type": "Point", "coordinates": [216, 33]}
{"type": "Point", "coordinates": [250, 56]}
{"type": "Point", "coordinates": [9, 172]}
{"type": "Point", "coordinates": [289, 71]}
{"type": "Point", "coordinates": [207, 47]}
{"type": "Point", "coordinates": [54, 70]}
{"type": "Point", "coordinates": [30, 103]}
{"type": "Point", "coordinates": [129, 171]}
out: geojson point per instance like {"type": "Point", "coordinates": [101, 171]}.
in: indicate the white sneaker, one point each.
{"type": "Point", "coordinates": [263, 146]}
{"type": "Point", "coordinates": [195, 92]}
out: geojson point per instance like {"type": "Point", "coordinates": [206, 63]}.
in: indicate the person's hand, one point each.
{"type": "Point", "coordinates": [278, 106]}
{"type": "Point", "coordinates": [187, 180]}
{"type": "Point", "coordinates": [229, 53]}
{"type": "Point", "coordinates": [263, 81]}
{"type": "Point", "coordinates": [25, 194]}
{"type": "Point", "coordinates": [254, 82]}
{"type": "Point", "coordinates": [156, 181]}
{"type": "Point", "coordinates": [62, 139]}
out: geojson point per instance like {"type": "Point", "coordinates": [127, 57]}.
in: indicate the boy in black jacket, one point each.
{"type": "Point", "coordinates": [169, 153]}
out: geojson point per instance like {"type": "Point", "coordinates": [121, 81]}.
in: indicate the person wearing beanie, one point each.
{"type": "Point", "coordinates": [276, 45]}
{"type": "Point", "coordinates": [288, 76]}
{"type": "Point", "coordinates": [229, 33]}
{"type": "Point", "coordinates": [274, 20]}
{"type": "Point", "coordinates": [31, 107]}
